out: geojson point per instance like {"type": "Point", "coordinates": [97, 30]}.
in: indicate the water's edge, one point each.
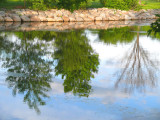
{"type": "Point", "coordinates": [60, 26]}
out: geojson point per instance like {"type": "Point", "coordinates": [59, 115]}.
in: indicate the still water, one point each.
{"type": "Point", "coordinates": [86, 74]}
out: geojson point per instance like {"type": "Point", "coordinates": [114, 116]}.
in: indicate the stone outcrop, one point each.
{"type": "Point", "coordinates": [99, 14]}
{"type": "Point", "coordinates": [60, 26]}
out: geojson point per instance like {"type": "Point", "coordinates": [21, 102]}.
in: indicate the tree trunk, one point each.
{"type": "Point", "coordinates": [24, 3]}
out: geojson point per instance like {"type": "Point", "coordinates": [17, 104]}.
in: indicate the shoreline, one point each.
{"type": "Point", "coordinates": [62, 26]}
{"type": "Point", "coordinates": [54, 15]}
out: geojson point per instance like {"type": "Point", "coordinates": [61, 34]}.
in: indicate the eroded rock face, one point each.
{"type": "Point", "coordinates": [53, 15]}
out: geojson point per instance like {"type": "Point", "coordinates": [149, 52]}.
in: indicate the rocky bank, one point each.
{"type": "Point", "coordinates": [99, 14]}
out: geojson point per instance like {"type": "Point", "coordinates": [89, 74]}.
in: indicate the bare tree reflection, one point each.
{"type": "Point", "coordinates": [139, 69]}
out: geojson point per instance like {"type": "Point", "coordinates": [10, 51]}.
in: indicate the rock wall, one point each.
{"type": "Point", "coordinates": [100, 14]}
{"type": "Point", "coordinates": [61, 26]}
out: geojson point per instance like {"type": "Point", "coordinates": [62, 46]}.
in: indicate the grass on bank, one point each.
{"type": "Point", "coordinates": [146, 4]}
{"type": "Point", "coordinates": [150, 4]}
{"type": "Point", "coordinates": [10, 4]}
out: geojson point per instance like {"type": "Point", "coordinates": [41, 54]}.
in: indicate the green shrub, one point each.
{"type": "Point", "coordinates": [71, 4]}
{"type": "Point", "coordinates": [2, 1]}
{"type": "Point", "coordinates": [41, 4]}
{"type": "Point", "coordinates": [60, 4]}
{"type": "Point", "coordinates": [120, 4]}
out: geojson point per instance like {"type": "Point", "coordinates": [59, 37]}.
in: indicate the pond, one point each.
{"type": "Point", "coordinates": [80, 74]}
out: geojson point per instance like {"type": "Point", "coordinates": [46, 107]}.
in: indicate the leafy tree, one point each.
{"type": "Point", "coordinates": [41, 4]}
{"type": "Point", "coordinates": [60, 4]}
{"type": "Point", "coordinates": [155, 27]}
{"type": "Point", "coordinates": [70, 4]}
{"type": "Point", "coordinates": [76, 62]}
{"type": "Point", "coordinates": [2, 1]}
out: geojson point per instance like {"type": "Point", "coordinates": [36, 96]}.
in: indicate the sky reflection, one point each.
{"type": "Point", "coordinates": [104, 101]}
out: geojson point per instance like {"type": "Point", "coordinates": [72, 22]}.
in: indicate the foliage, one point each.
{"type": "Point", "coordinates": [40, 4]}
{"type": "Point", "coordinates": [155, 27]}
{"type": "Point", "coordinates": [71, 4]}
{"type": "Point", "coordinates": [2, 1]}
{"type": "Point", "coordinates": [76, 62]}
{"type": "Point", "coordinates": [40, 35]}
{"type": "Point", "coordinates": [30, 73]}
{"type": "Point", "coordinates": [121, 4]}
{"type": "Point", "coordinates": [115, 35]}
{"type": "Point", "coordinates": [60, 4]}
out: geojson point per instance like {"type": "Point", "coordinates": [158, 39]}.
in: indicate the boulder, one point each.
{"type": "Point", "coordinates": [42, 18]}
{"type": "Point", "coordinates": [1, 19]}
{"type": "Point", "coordinates": [65, 18]}
{"type": "Point", "coordinates": [72, 18]}
{"type": "Point", "coordinates": [58, 19]}
{"type": "Point", "coordinates": [2, 13]}
{"type": "Point", "coordinates": [79, 19]}
{"type": "Point", "coordinates": [86, 19]}
{"type": "Point", "coordinates": [25, 18]}
{"type": "Point", "coordinates": [8, 19]}
{"type": "Point", "coordinates": [98, 18]}
{"type": "Point", "coordinates": [50, 19]}
{"type": "Point", "coordinates": [35, 18]}
{"type": "Point", "coordinates": [127, 17]}
{"type": "Point", "coordinates": [16, 18]}
{"type": "Point", "coordinates": [91, 17]}
{"type": "Point", "coordinates": [34, 12]}
{"type": "Point", "coordinates": [42, 13]}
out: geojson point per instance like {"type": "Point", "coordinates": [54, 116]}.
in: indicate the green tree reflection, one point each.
{"type": "Point", "coordinates": [29, 70]}
{"type": "Point", "coordinates": [115, 35]}
{"type": "Point", "coordinates": [76, 61]}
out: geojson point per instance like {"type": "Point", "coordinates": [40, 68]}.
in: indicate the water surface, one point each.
{"type": "Point", "coordinates": [110, 74]}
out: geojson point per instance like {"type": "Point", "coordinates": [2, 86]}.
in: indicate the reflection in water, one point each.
{"type": "Point", "coordinates": [117, 35]}
{"type": "Point", "coordinates": [29, 72]}
{"type": "Point", "coordinates": [32, 57]}
{"type": "Point", "coordinates": [76, 62]}
{"type": "Point", "coordinates": [139, 69]}
{"type": "Point", "coordinates": [29, 67]}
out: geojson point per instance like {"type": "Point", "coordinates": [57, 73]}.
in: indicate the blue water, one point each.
{"type": "Point", "coordinates": [125, 85]}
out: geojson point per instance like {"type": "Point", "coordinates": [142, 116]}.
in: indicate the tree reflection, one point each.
{"type": "Point", "coordinates": [76, 62]}
{"type": "Point", "coordinates": [29, 72]}
{"type": "Point", "coordinates": [139, 70]}
{"type": "Point", "coordinates": [115, 35]}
